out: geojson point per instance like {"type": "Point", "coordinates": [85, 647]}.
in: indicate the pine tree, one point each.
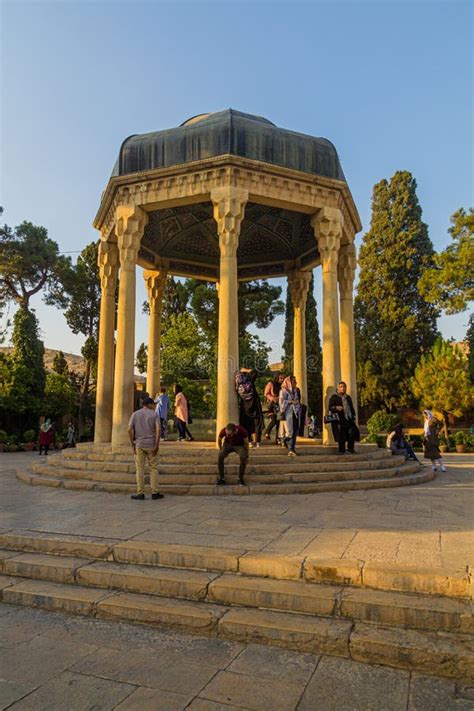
{"type": "Point", "coordinates": [22, 376]}
{"type": "Point", "coordinates": [450, 284]}
{"type": "Point", "coordinates": [441, 381]}
{"type": "Point", "coordinates": [394, 324]}
{"type": "Point", "coordinates": [60, 363]}
{"type": "Point", "coordinates": [141, 358]}
{"type": "Point", "coordinates": [313, 347]}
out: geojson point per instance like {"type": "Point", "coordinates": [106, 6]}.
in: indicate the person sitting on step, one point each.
{"type": "Point", "coordinates": [233, 438]}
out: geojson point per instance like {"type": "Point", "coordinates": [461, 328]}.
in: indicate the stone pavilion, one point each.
{"type": "Point", "coordinates": [224, 197]}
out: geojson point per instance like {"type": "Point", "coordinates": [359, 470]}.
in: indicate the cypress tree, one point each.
{"type": "Point", "coordinates": [394, 324]}
{"type": "Point", "coordinates": [313, 347]}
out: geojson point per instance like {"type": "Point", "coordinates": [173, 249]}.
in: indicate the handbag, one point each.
{"type": "Point", "coordinates": [331, 417]}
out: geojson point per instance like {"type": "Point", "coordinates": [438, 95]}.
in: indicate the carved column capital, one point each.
{"type": "Point", "coordinates": [346, 267]}
{"type": "Point", "coordinates": [229, 208]}
{"type": "Point", "coordinates": [129, 227]}
{"type": "Point", "coordinates": [298, 284]}
{"type": "Point", "coordinates": [155, 283]}
{"type": "Point", "coordinates": [327, 225]}
{"type": "Point", "coordinates": [107, 261]}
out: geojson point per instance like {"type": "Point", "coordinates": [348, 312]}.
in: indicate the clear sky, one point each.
{"type": "Point", "coordinates": [390, 83]}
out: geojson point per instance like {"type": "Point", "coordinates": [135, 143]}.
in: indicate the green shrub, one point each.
{"type": "Point", "coordinates": [86, 434]}
{"type": "Point", "coordinates": [452, 442]}
{"type": "Point", "coordinates": [3, 436]}
{"type": "Point", "coordinates": [460, 437]}
{"type": "Point", "coordinates": [372, 438]}
{"type": "Point", "coordinates": [29, 436]}
{"type": "Point", "coordinates": [382, 421]}
{"type": "Point", "coordinates": [416, 441]}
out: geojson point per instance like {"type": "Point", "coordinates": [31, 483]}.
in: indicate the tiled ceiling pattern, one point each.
{"type": "Point", "coordinates": [268, 235]}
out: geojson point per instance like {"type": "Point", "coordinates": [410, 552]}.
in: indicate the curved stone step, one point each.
{"type": "Point", "coordinates": [288, 473]}
{"type": "Point", "coordinates": [408, 474]}
{"type": "Point", "coordinates": [295, 465]}
{"type": "Point", "coordinates": [183, 453]}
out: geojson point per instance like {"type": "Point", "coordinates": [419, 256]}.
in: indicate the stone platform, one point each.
{"type": "Point", "coordinates": [380, 579]}
{"type": "Point", "coordinates": [191, 468]}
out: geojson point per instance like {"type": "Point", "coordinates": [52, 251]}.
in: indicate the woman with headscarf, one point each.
{"type": "Point", "coordinates": [250, 407]}
{"type": "Point", "coordinates": [290, 409]}
{"type": "Point", "coordinates": [46, 436]}
{"type": "Point", "coordinates": [271, 394]}
{"type": "Point", "coordinates": [431, 441]}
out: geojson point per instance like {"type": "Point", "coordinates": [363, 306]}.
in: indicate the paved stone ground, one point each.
{"type": "Point", "coordinates": [62, 663]}
{"type": "Point", "coordinates": [57, 662]}
{"type": "Point", "coordinates": [429, 524]}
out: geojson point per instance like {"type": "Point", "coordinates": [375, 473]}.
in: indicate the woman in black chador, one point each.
{"type": "Point", "coordinates": [250, 407]}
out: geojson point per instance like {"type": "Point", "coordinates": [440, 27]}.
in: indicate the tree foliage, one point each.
{"type": "Point", "coordinates": [141, 358]}
{"type": "Point", "coordinates": [83, 293]}
{"type": "Point", "coordinates": [394, 324]}
{"type": "Point", "coordinates": [60, 364]}
{"type": "Point", "coordinates": [449, 284]}
{"type": "Point", "coordinates": [60, 396]}
{"type": "Point", "coordinates": [441, 380]}
{"type": "Point", "coordinates": [184, 352]}
{"type": "Point", "coordinates": [314, 361]}
{"type": "Point", "coordinates": [22, 374]}
{"type": "Point", "coordinates": [30, 263]}
{"type": "Point", "coordinates": [469, 340]}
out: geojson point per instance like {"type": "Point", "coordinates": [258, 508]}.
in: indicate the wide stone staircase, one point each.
{"type": "Point", "coordinates": [388, 614]}
{"type": "Point", "coordinates": [191, 468]}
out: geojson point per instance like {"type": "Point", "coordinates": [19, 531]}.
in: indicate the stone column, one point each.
{"type": "Point", "coordinates": [155, 284]}
{"type": "Point", "coordinates": [129, 227]}
{"type": "Point", "coordinates": [327, 225]}
{"type": "Point", "coordinates": [345, 271]}
{"type": "Point", "coordinates": [108, 268]}
{"type": "Point", "coordinates": [229, 207]}
{"type": "Point", "coordinates": [298, 283]}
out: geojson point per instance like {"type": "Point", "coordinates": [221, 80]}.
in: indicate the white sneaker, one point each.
{"type": "Point", "coordinates": [443, 468]}
{"type": "Point", "coordinates": [434, 469]}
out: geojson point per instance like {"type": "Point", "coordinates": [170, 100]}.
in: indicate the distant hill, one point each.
{"type": "Point", "coordinates": [75, 363]}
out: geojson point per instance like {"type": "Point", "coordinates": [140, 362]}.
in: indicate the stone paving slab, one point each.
{"type": "Point", "coordinates": [119, 667]}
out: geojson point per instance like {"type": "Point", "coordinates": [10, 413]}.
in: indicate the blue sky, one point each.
{"type": "Point", "coordinates": [390, 83]}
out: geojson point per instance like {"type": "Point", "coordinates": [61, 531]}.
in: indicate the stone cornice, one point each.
{"type": "Point", "coordinates": [193, 182]}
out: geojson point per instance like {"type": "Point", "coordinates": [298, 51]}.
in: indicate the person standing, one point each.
{"type": "Point", "coordinates": [144, 433]}
{"type": "Point", "coordinates": [182, 414]}
{"type": "Point", "coordinates": [290, 409]}
{"type": "Point", "coordinates": [162, 408]}
{"type": "Point", "coordinates": [271, 394]}
{"type": "Point", "coordinates": [71, 435]}
{"type": "Point", "coordinates": [345, 429]}
{"type": "Point", "coordinates": [431, 441]}
{"type": "Point", "coordinates": [233, 438]}
{"type": "Point", "coordinates": [250, 407]}
{"type": "Point", "coordinates": [46, 436]}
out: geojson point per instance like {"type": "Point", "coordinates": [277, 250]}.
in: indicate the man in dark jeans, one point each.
{"type": "Point", "coordinates": [233, 438]}
{"type": "Point", "coordinates": [344, 430]}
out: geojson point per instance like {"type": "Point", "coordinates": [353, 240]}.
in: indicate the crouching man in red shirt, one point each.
{"type": "Point", "coordinates": [233, 438]}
